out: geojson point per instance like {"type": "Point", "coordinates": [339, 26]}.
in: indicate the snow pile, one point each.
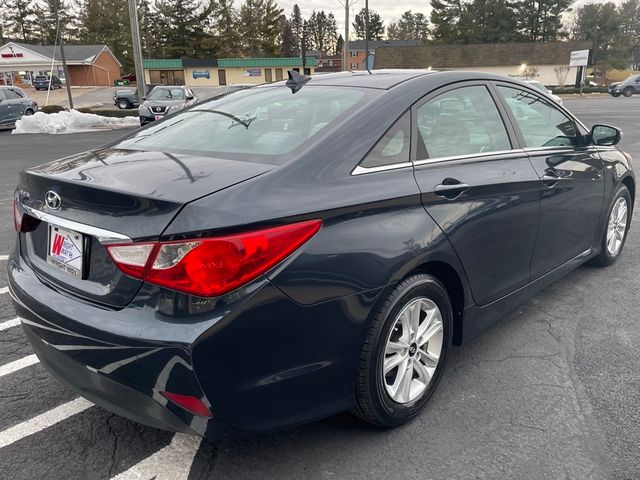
{"type": "Point", "coordinates": [71, 122]}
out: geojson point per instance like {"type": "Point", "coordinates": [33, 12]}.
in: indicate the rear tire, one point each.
{"type": "Point", "coordinates": [615, 229]}
{"type": "Point", "coordinates": [123, 104]}
{"type": "Point", "coordinates": [28, 112]}
{"type": "Point", "coordinates": [628, 91]}
{"type": "Point", "coordinates": [405, 352]}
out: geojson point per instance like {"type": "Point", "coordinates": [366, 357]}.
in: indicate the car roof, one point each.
{"type": "Point", "coordinates": [381, 79]}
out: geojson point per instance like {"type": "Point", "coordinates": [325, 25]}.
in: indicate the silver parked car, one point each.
{"type": "Point", "coordinates": [14, 103]}
{"type": "Point", "coordinates": [164, 100]}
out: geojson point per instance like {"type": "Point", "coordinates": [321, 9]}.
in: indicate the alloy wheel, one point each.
{"type": "Point", "coordinates": [617, 226]}
{"type": "Point", "coordinates": [412, 351]}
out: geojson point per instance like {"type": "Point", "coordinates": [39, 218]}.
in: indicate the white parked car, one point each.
{"type": "Point", "coordinates": [539, 86]}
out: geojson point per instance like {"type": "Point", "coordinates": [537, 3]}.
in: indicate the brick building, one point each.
{"type": "Point", "coordinates": [88, 65]}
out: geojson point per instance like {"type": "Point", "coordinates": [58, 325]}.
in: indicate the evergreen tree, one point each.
{"type": "Point", "coordinates": [603, 25]}
{"type": "Point", "coordinates": [19, 19]}
{"type": "Point", "coordinates": [297, 25]}
{"type": "Point", "coordinates": [410, 26]}
{"type": "Point", "coordinates": [446, 17]}
{"type": "Point", "coordinates": [288, 39]}
{"type": "Point", "coordinates": [339, 45]}
{"type": "Point", "coordinates": [260, 27]}
{"type": "Point", "coordinates": [321, 31]}
{"type": "Point", "coordinates": [182, 24]}
{"type": "Point", "coordinates": [540, 21]}
{"type": "Point", "coordinates": [225, 20]}
{"type": "Point", "coordinates": [376, 25]}
{"type": "Point", "coordinates": [489, 21]}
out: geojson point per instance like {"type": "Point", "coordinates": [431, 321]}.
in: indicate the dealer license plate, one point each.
{"type": "Point", "coordinates": [65, 250]}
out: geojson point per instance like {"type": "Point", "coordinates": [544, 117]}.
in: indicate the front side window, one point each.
{"type": "Point", "coordinates": [254, 123]}
{"type": "Point", "coordinates": [541, 124]}
{"type": "Point", "coordinates": [464, 121]}
{"type": "Point", "coordinates": [393, 147]}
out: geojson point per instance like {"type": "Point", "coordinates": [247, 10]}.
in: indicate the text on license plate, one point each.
{"type": "Point", "coordinates": [65, 250]}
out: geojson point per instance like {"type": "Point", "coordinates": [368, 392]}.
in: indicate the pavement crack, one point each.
{"type": "Point", "coordinates": [524, 425]}
{"type": "Point", "coordinates": [115, 446]}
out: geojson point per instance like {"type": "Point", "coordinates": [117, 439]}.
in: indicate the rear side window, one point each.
{"type": "Point", "coordinates": [464, 121]}
{"type": "Point", "coordinates": [541, 124]}
{"type": "Point", "coordinates": [393, 147]}
{"type": "Point", "coordinates": [254, 123]}
{"type": "Point", "coordinates": [11, 95]}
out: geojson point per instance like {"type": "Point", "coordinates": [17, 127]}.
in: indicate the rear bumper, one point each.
{"type": "Point", "coordinates": [102, 390]}
{"type": "Point", "coordinates": [257, 359]}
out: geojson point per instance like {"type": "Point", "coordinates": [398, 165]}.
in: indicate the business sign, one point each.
{"type": "Point", "coordinates": [12, 55]}
{"type": "Point", "coordinates": [579, 58]}
{"type": "Point", "coordinates": [201, 74]}
{"type": "Point", "coordinates": [253, 72]}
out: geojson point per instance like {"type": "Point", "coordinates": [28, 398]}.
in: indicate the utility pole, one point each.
{"type": "Point", "coordinates": [137, 50]}
{"type": "Point", "coordinates": [366, 35]}
{"type": "Point", "coordinates": [64, 59]}
{"type": "Point", "coordinates": [345, 44]}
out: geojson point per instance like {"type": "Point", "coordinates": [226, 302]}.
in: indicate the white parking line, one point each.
{"type": "Point", "coordinates": [4, 257]}
{"type": "Point", "coordinates": [4, 290]}
{"type": "Point", "coordinates": [173, 462]}
{"type": "Point", "coordinates": [24, 362]}
{"type": "Point", "coordinates": [45, 420]}
{"type": "Point", "coordinates": [14, 322]}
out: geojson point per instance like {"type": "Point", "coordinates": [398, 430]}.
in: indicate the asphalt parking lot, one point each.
{"type": "Point", "coordinates": [551, 391]}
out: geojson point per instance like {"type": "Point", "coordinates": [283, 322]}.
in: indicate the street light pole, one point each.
{"type": "Point", "coordinates": [137, 50]}
{"type": "Point", "coordinates": [345, 44]}
{"type": "Point", "coordinates": [366, 34]}
{"type": "Point", "coordinates": [64, 59]}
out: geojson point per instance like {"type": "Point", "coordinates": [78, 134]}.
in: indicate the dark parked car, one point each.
{"type": "Point", "coordinates": [627, 88]}
{"type": "Point", "coordinates": [165, 100]}
{"type": "Point", "coordinates": [14, 103]}
{"type": "Point", "coordinates": [128, 98]}
{"type": "Point", "coordinates": [130, 77]}
{"type": "Point", "coordinates": [296, 250]}
{"type": "Point", "coordinates": [42, 82]}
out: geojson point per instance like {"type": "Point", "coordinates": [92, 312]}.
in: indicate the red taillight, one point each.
{"type": "Point", "coordinates": [189, 403]}
{"type": "Point", "coordinates": [210, 267]}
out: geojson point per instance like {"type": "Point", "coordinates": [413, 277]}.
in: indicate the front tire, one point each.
{"type": "Point", "coordinates": [405, 352]}
{"type": "Point", "coordinates": [123, 104]}
{"type": "Point", "coordinates": [616, 229]}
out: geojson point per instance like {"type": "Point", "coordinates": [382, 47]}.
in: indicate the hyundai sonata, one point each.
{"type": "Point", "coordinates": [307, 247]}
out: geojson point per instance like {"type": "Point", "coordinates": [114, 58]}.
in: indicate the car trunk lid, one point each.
{"type": "Point", "coordinates": [110, 196]}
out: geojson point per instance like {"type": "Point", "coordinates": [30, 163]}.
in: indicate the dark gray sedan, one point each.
{"type": "Point", "coordinates": [164, 100]}
{"type": "Point", "coordinates": [14, 103]}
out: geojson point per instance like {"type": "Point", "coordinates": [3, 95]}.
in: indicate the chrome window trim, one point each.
{"type": "Point", "coordinates": [103, 236]}
{"type": "Point", "coordinates": [480, 155]}
{"type": "Point", "coordinates": [359, 170]}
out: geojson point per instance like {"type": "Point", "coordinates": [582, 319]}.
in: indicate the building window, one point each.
{"type": "Point", "coordinates": [354, 53]}
{"type": "Point", "coordinates": [354, 66]}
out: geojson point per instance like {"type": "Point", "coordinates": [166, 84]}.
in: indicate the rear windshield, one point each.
{"type": "Point", "coordinates": [265, 123]}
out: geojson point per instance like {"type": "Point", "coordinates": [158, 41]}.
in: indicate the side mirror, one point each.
{"type": "Point", "coordinates": [550, 92]}
{"type": "Point", "coordinates": [190, 98]}
{"type": "Point", "coordinates": [605, 135]}
{"type": "Point", "coordinates": [144, 98]}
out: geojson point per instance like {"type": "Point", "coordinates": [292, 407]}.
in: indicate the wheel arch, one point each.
{"type": "Point", "coordinates": [631, 185]}
{"type": "Point", "coordinates": [452, 282]}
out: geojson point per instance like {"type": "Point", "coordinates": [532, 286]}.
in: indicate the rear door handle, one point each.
{"type": "Point", "coordinates": [450, 190]}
